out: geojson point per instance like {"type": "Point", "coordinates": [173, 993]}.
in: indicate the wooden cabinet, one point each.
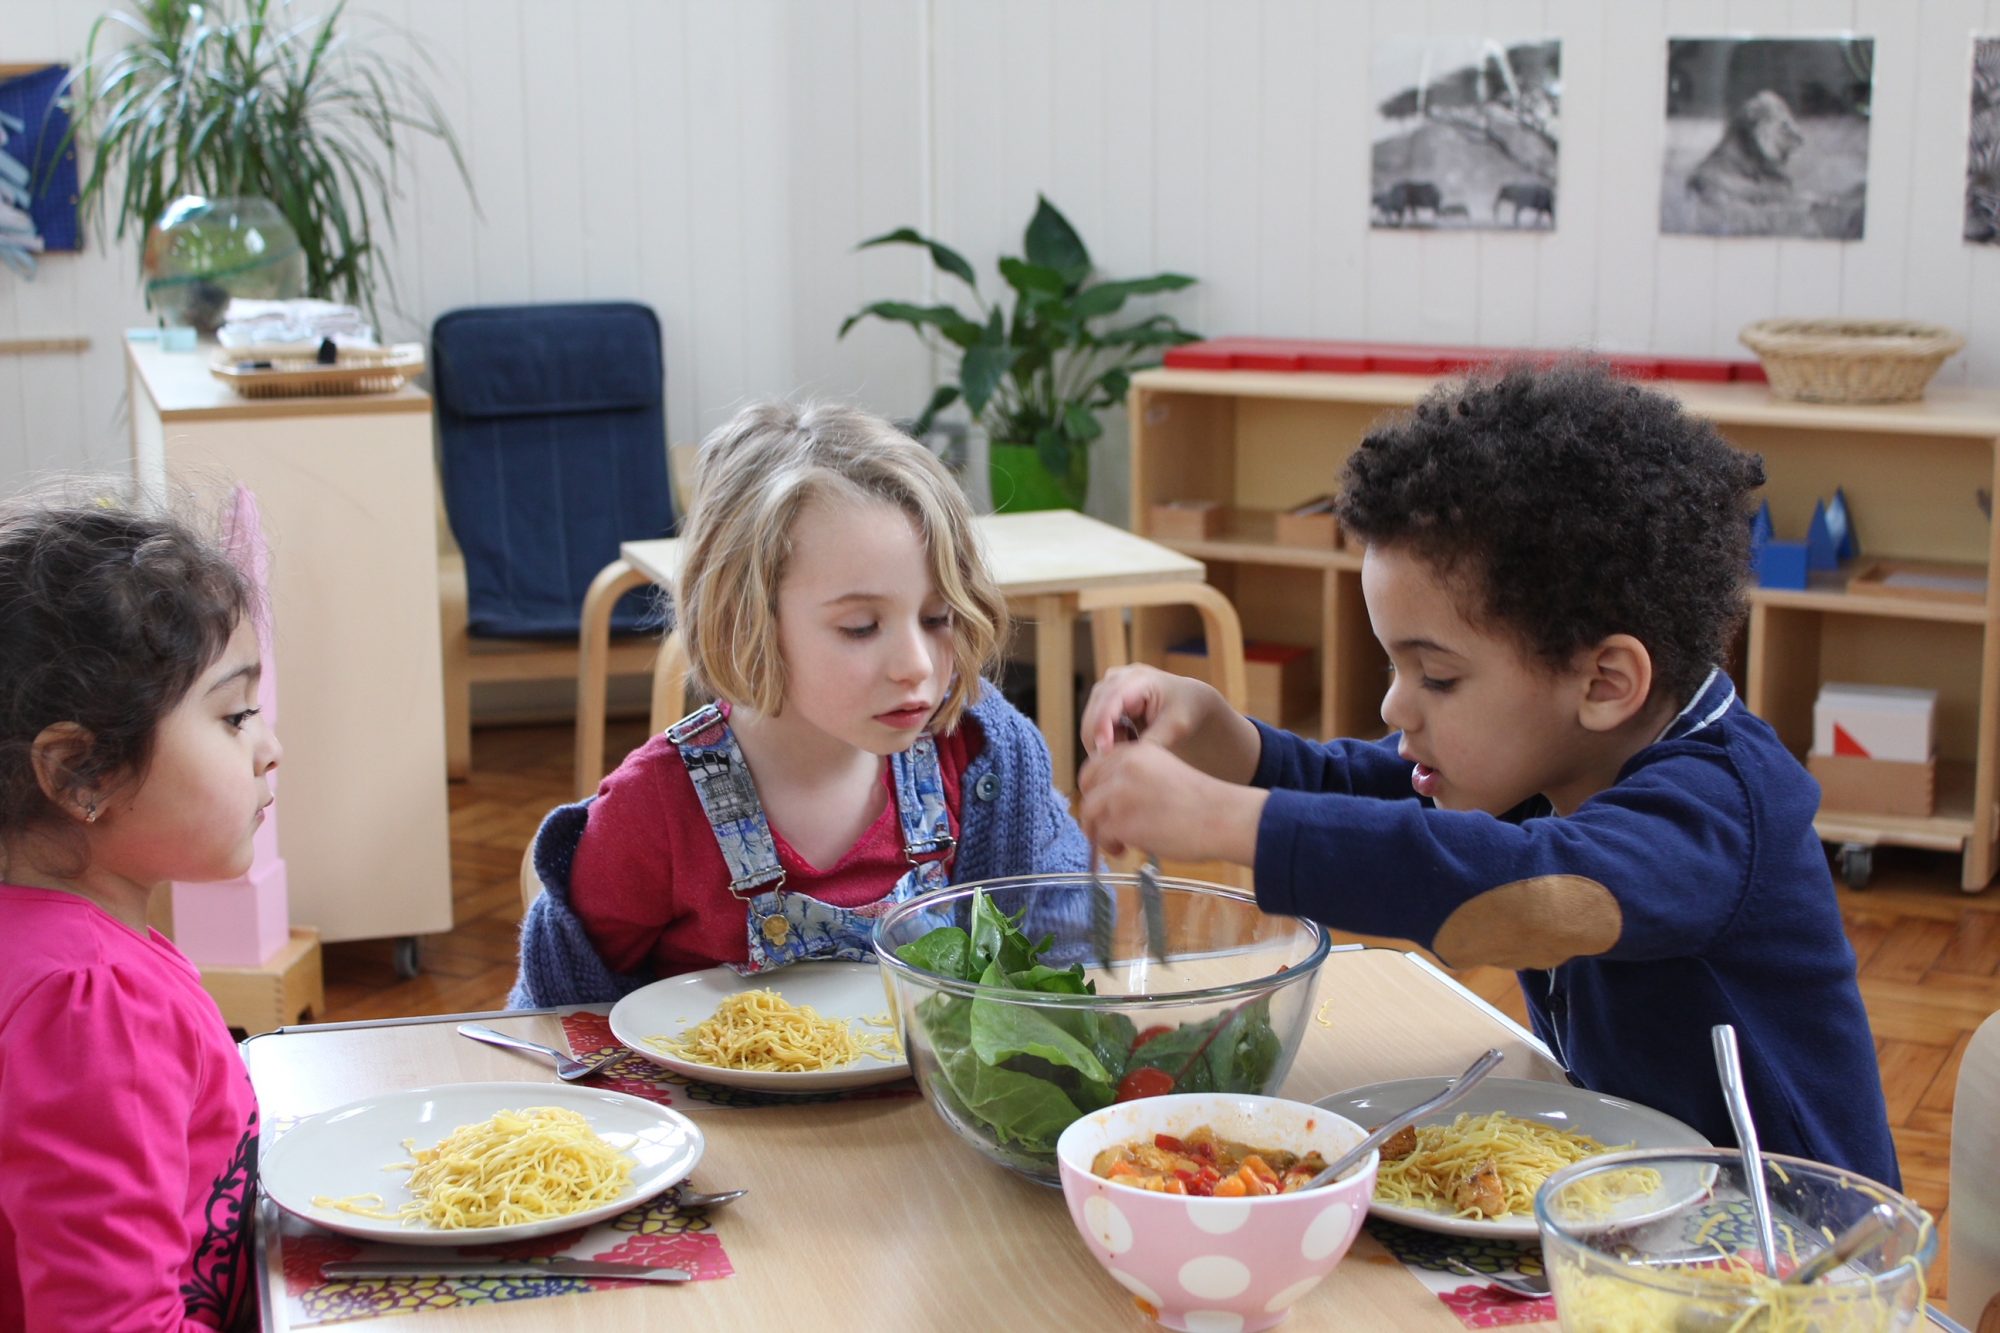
{"type": "Point", "coordinates": [1919, 478]}
{"type": "Point", "coordinates": [348, 495]}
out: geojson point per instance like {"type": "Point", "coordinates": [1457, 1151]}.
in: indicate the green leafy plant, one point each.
{"type": "Point", "coordinates": [1037, 378]}
{"type": "Point", "coordinates": [252, 98]}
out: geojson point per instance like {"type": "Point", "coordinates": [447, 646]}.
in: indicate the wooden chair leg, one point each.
{"type": "Point", "coordinates": [1220, 624]}
{"type": "Point", "coordinates": [670, 681]}
{"type": "Point", "coordinates": [457, 668]}
{"type": "Point", "coordinates": [1107, 640]}
{"type": "Point", "coordinates": [593, 661]}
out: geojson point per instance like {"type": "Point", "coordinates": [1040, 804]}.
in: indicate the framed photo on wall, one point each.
{"type": "Point", "coordinates": [1466, 133]}
{"type": "Point", "coordinates": [1767, 136]}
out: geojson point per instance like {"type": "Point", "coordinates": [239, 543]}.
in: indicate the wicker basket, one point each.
{"type": "Point", "coordinates": [1850, 360]}
{"type": "Point", "coordinates": [254, 373]}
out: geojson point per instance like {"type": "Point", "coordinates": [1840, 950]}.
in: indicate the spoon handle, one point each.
{"type": "Point", "coordinates": [1459, 1086]}
{"type": "Point", "coordinates": [479, 1032]}
{"type": "Point", "coordinates": [1867, 1232]}
{"type": "Point", "coordinates": [1729, 1064]}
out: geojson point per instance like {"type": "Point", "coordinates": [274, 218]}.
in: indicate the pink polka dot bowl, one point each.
{"type": "Point", "coordinates": [1215, 1265]}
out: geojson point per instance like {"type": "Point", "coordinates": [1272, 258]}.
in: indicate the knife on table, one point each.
{"type": "Point", "coordinates": [601, 1268]}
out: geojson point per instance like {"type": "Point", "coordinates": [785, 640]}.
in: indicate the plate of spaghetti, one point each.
{"type": "Point", "coordinates": [477, 1163]}
{"type": "Point", "coordinates": [1473, 1169]}
{"type": "Point", "coordinates": [810, 1027]}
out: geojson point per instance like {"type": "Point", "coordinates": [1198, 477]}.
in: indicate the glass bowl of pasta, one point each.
{"type": "Point", "coordinates": [1240, 1253]}
{"type": "Point", "coordinates": [1015, 1026]}
{"type": "Point", "coordinates": [1697, 1267]}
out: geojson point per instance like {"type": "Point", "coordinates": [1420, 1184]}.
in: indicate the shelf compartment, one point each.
{"type": "Point", "coordinates": [1249, 536]}
{"type": "Point", "coordinates": [1947, 830]}
{"type": "Point", "coordinates": [1828, 592]}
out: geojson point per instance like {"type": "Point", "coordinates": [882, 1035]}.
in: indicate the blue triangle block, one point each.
{"type": "Point", "coordinates": [1820, 553]}
{"type": "Point", "coordinates": [1761, 531]}
{"type": "Point", "coordinates": [1841, 528]}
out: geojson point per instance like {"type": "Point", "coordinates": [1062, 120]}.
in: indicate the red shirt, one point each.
{"type": "Point", "coordinates": [651, 888]}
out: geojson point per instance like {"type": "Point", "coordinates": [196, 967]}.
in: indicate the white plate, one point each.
{"type": "Point", "coordinates": [343, 1152]}
{"type": "Point", "coordinates": [1610, 1121]}
{"type": "Point", "coordinates": [852, 991]}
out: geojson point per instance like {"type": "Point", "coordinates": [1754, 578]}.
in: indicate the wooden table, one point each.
{"type": "Point", "coordinates": [1052, 565]}
{"type": "Point", "coordinates": [873, 1215]}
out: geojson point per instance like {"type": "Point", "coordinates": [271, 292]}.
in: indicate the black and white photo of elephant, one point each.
{"type": "Point", "coordinates": [1458, 119]}
{"type": "Point", "coordinates": [1531, 197]}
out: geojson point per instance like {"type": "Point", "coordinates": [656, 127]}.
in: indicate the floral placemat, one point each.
{"type": "Point", "coordinates": [657, 1234]}
{"type": "Point", "coordinates": [589, 1038]}
{"type": "Point", "coordinates": [1477, 1304]}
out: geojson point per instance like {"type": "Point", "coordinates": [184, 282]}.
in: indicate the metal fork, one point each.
{"type": "Point", "coordinates": [568, 1068]}
{"type": "Point", "coordinates": [1517, 1284]}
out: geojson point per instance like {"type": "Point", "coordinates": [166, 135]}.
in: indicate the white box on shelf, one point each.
{"type": "Point", "coordinates": [1892, 722]}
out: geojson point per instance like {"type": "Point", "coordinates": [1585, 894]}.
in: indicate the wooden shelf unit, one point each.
{"type": "Point", "coordinates": [1917, 476]}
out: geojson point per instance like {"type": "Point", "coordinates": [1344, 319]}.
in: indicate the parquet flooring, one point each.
{"type": "Point", "coordinates": [1929, 955]}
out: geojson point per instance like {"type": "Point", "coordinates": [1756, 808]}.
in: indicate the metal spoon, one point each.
{"type": "Point", "coordinates": [568, 1068]}
{"type": "Point", "coordinates": [688, 1198]}
{"type": "Point", "coordinates": [1458, 1087]}
{"type": "Point", "coordinates": [1729, 1064]}
{"type": "Point", "coordinates": [1528, 1288]}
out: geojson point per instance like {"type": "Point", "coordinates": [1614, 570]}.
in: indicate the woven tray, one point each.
{"type": "Point", "coordinates": [359, 370]}
{"type": "Point", "coordinates": [1850, 360]}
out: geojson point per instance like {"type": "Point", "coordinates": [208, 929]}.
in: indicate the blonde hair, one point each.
{"type": "Point", "coordinates": [754, 477]}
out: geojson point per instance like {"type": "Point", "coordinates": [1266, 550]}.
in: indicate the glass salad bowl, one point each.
{"type": "Point", "coordinates": [1014, 1029]}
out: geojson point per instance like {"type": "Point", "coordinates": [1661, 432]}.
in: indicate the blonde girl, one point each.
{"type": "Point", "coordinates": [834, 601]}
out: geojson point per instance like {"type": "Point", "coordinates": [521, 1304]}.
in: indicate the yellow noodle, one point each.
{"type": "Point", "coordinates": [1525, 1152]}
{"type": "Point", "coordinates": [532, 1165]}
{"type": "Point", "coordinates": [760, 1030]}
{"type": "Point", "coordinates": [1595, 1301]}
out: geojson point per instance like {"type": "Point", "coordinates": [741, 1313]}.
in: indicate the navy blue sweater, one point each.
{"type": "Point", "coordinates": [1720, 909]}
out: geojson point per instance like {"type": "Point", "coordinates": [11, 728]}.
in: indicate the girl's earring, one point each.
{"type": "Point", "coordinates": [90, 812]}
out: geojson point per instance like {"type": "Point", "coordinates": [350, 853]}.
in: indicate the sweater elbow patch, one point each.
{"type": "Point", "coordinates": [1531, 923]}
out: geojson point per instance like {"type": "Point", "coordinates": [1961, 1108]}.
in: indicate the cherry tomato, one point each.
{"type": "Point", "coordinates": [1148, 1034]}
{"type": "Point", "coordinates": [1145, 1081]}
{"type": "Point", "coordinates": [1168, 1143]}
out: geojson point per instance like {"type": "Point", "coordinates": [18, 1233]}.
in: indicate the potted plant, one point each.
{"type": "Point", "coordinates": [252, 99]}
{"type": "Point", "coordinates": [1036, 380]}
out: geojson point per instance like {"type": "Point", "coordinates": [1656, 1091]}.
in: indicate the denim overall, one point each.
{"type": "Point", "coordinates": [789, 927]}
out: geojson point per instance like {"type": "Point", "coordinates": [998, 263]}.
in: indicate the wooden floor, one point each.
{"type": "Point", "coordinates": [1929, 955]}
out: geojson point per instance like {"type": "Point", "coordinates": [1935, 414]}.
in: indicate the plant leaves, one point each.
{"type": "Point", "coordinates": [1105, 297]}
{"type": "Point", "coordinates": [1052, 243]}
{"type": "Point", "coordinates": [985, 366]}
{"type": "Point", "coordinates": [946, 258]}
{"type": "Point", "coordinates": [944, 396]}
{"type": "Point", "coordinates": [1031, 279]}
{"type": "Point", "coordinates": [1080, 424]}
{"type": "Point", "coordinates": [947, 320]}
{"type": "Point", "coordinates": [946, 951]}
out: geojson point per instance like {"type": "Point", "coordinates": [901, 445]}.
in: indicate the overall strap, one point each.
{"type": "Point", "coordinates": [920, 808]}
{"type": "Point", "coordinates": [729, 799]}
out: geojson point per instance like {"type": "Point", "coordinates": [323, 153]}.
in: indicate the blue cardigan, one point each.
{"type": "Point", "coordinates": [1720, 909]}
{"type": "Point", "coordinates": [1012, 821]}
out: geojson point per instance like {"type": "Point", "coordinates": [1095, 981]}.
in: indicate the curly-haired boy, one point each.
{"type": "Point", "coordinates": [1554, 564]}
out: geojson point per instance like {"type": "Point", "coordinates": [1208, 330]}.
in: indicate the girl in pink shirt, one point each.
{"type": "Point", "coordinates": [130, 753]}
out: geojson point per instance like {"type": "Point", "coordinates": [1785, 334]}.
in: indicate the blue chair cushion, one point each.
{"type": "Point", "coordinates": [552, 448]}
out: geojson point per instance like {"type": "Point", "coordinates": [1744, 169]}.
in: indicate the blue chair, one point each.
{"type": "Point", "coordinates": [552, 451]}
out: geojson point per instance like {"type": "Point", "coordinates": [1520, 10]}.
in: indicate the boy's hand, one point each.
{"type": "Point", "coordinates": [1187, 716]}
{"type": "Point", "coordinates": [1141, 795]}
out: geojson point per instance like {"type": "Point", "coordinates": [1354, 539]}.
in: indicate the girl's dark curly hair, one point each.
{"type": "Point", "coordinates": [108, 615]}
{"type": "Point", "coordinates": [1567, 505]}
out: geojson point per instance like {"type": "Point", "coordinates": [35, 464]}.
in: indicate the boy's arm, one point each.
{"type": "Point", "coordinates": [1654, 867]}
{"type": "Point", "coordinates": [1350, 767]}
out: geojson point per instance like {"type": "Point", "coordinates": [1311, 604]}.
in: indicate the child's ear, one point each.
{"type": "Point", "coordinates": [1617, 677]}
{"type": "Point", "coordinates": [61, 756]}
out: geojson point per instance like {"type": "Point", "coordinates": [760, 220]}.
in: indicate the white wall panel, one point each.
{"type": "Point", "coordinates": [719, 159]}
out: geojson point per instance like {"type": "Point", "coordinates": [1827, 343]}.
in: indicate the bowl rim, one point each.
{"type": "Point", "coordinates": [1677, 1284]}
{"type": "Point", "coordinates": [1364, 1169]}
{"type": "Point", "coordinates": [1322, 944]}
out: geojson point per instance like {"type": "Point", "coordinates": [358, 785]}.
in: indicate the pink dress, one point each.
{"type": "Point", "coordinates": [128, 1127]}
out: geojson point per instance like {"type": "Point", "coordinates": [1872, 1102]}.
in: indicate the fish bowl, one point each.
{"type": "Point", "coordinates": [204, 253]}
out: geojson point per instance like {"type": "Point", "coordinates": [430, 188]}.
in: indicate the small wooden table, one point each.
{"type": "Point", "coordinates": [872, 1215]}
{"type": "Point", "coordinates": [1053, 564]}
